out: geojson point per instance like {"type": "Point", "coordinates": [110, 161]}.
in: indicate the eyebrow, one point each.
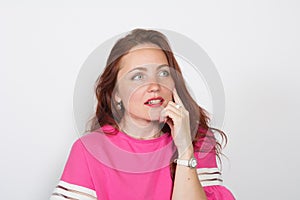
{"type": "Point", "coordinates": [145, 68]}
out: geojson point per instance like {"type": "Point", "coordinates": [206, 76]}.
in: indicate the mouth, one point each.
{"type": "Point", "coordinates": [154, 102]}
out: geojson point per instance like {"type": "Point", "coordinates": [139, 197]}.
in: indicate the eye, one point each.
{"type": "Point", "coordinates": [164, 73]}
{"type": "Point", "coordinates": [137, 77]}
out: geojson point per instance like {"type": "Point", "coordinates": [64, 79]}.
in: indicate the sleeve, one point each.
{"type": "Point", "coordinates": [75, 182]}
{"type": "Point", "coordinates": [208, 171]}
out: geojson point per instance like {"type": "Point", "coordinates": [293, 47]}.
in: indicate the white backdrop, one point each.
{"type": "Point", "coordinates": [255, 46]}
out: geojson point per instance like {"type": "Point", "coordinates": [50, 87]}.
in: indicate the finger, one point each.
{"type": "Point", "coordinates": [177, 98]}
{"type": "Point", "coordinates": [170, 124]}
{"type": "Point", "coordinates": [174, 107]}
{"type": "Point", "coordinates": [171, 113]}
{"type": "Point", "coordinates": [162, 118]}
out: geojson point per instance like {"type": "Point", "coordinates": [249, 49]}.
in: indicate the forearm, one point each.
{"type": "Point", "coordinates": [187, 185]}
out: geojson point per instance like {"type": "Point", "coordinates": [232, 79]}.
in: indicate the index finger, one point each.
{"type": "Point", "coordinates": [177, 98]}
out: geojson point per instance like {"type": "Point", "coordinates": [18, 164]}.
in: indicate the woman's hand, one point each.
{"type": "Point", "coordinates": [177, 117]}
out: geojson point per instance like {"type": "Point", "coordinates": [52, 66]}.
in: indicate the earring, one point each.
{"type": "Point", "coordinates": [119, 105]}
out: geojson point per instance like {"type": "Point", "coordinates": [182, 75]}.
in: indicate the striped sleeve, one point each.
{"type": "Point", "coordinates": [211, 179]}
{"type": "Point", "coordinates": [76, 182]}
{"type": "Point", "coordinates": [209, 176]}
{"type": "Point", "coordinates": [207, 170]}
{"type": "Point", "coordinates": [69, 191]}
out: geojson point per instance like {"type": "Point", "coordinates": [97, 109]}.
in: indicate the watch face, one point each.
{"type": "Point", "coordinates": [193, 162]}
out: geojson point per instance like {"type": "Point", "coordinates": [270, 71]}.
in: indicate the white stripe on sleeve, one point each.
{"type": "Point", "coordinates": [209, 176]}
{"type": "Point", "coordinates": [68, 191]}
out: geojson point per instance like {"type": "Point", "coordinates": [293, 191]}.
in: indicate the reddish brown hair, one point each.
{"type": "Point", "coordinates": [107, 113]}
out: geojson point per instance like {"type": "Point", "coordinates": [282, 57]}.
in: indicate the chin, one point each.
{"type": "Point", "coordinates": [154, 118]}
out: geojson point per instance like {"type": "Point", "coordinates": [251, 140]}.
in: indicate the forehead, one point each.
{"type": "Point", "coordinates": [146, 54]}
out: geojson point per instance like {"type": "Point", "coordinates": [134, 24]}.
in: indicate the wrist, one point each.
{"type": "Point", "coordinates": [187, 153]}
{"type": "Point", "coordinates": [187, 162]}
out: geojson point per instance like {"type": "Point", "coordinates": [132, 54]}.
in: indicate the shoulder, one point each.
{"type": "Point", "coordinates": [82, 148]}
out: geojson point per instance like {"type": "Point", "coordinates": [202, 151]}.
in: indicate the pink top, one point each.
{"type": "Point", "coordinates": [113, 167]}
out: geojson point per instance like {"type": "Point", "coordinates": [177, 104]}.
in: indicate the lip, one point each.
{"type": "Point", "coordinates": [155, 105]}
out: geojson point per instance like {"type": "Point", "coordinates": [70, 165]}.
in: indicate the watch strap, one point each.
{"type": "Point", "coordinates": [182, 162]}
{"type": "Point", "coordinates": [192, 163]}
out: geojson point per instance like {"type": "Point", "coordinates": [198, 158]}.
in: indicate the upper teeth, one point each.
{"type": "Point", "coordinates": [154, 101]}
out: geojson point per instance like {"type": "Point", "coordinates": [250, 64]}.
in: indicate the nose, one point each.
{"type": "Point", "coordinates": [153, 86]}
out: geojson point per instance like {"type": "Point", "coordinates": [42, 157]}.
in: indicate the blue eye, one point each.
{"type": "Point", "coordinates": [137, 77]}
{"type": "Point", "coordinates": [164, 73]}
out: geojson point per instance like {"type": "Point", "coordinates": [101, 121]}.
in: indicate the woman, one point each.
{"type": "Point", "coordinates": [148, 139]}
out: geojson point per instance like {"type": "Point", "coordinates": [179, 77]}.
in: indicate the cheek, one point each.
{"type": "Point", "coordinates": [130, 95]}
{"type": "Point", "coordinates": [168, 95]}
{"type": "Point", "coordinates": [168, 86]}
{"type": "Point", "coordinates": [167, 91]}
{"type": "Point", "coordinates": [135, 103]}
{"type": "Point", "coordinates": [125, 90]}
{"type": "Point", "coordinates": [167, 82]}
{"type": "Point", "coordinates": [135, 97]}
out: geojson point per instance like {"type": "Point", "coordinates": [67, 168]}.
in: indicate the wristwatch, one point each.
{"type": "Point", "coordinates": [192, 163]}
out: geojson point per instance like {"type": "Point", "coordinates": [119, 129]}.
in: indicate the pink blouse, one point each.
{"type": "Point", "coordinates": [113, 167]}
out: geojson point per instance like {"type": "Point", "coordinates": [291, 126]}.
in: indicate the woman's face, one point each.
{"type": "Point", "coordinates": [144, 83]}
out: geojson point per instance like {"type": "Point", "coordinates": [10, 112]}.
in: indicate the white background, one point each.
{"type": "Point", "coordinates": [254, 45]}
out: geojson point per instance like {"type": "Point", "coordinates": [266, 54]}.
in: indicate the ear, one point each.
{"type": "Point", "coordinates": [117, 98]}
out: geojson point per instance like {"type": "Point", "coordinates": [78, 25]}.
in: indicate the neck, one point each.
{"type": "Point", "coordinates": [141, 129]}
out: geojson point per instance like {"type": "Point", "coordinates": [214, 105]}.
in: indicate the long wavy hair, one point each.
{"type": "Point", "coordinates": [106, 109]}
